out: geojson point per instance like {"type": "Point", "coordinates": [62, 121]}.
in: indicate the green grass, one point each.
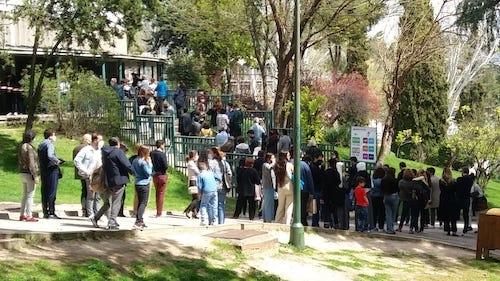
{"type": "Point", "coordinates": [158, 266]}
{"type": "Point", "coordinates": [69, 189]}
{"type": "Point", "coordinates": [492, 190]}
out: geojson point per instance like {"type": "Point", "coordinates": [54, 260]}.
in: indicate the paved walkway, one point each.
{"type": "Point", "coordinates": [176, 220]}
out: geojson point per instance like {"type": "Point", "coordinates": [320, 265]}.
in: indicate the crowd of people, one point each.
{"type": "Point", "coordinates": [103, 171]}
{"type": "Point", "coordinates": [381, 200]}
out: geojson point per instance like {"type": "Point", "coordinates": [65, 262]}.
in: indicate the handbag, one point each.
{"type": "Point", "coordinates": [192, 188]}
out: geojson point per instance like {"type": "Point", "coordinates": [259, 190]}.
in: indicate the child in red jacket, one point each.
{"type": "Point", "coordinates": [361, 208]}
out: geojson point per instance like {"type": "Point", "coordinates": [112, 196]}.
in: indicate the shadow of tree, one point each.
{"type": "Point", "coordinates": [133, 259]}
{"type": "Point", "coordinates": [8, 148]}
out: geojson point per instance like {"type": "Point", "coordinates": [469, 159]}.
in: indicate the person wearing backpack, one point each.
{"type": "Point", "coordinates": [420, 194]}
{"type": "Point", "coordinates": [87, 160]}
{"type": "Point", "coordinates": [223, 175]}
{"type": "Point", "coordinates": [116, 168]}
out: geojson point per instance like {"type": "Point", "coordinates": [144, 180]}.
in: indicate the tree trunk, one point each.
{"type": "Point", "coordinates": [283, 92]}
{"type": "Point", "coordinates": [387, 135]}
{"type": "Point", "coordinates": [263, 77]}
{"type": "Point", "coordinates": [215, 80]}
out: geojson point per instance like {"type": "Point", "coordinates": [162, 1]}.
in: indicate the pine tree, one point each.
{"type": "Point", "coordinates": [423, 106]}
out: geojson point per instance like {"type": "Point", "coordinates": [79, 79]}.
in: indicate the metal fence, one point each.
{"type": "Point", "coordinates": [249, 116]}
{"type": "Point", "coordinates": [191, 99]}
{"type": "Point", "coordinates": [128, 128]}
{"type": "Point", "coordinates": [150, 128]}
{"type": "Point", "coordinates": [181, 147]}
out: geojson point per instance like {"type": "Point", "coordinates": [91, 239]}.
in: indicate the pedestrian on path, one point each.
{"type": "Point", "coordinates": [160, 177]}
{"type": "Point", "coordinates": [224, 177]}
{"type": "Point", "coordinates": [143, 170]}
{"type": "Point", "coordinates": [193, 172]}
{"type": "Point", "coordinates": [435, 195]}
{"type": "Point", "coordinates": [269, 187]}
{"type": "Point", "coordinates": [50, 173]}
{"type": "Point", "coordinates": [464, 185]}
{"type": "Point", "coordinates": [86, 140]}
{"type": "Point", "coordinates": [377, 199]}
{"type": "Point", "coordinates": [389, 186]}
{"type": "Point", "coordinates": [28, 168]}
{"type": "Point", "coordinates": [405, 195]}
{"type": "Point", "coordinates": [87, 160]}
{"type": "Point", "coordinates": [284, 175]}
{"type": "Point", "coordinates": [448, 205]}
{"type": "Point", "coordinates": [116, 168]}
{"type": "Point", "coordinates": [333, 195]}
{"type": "Point", "coordinates": [360, 195]}
{"type": "Point", "coordinates": [247, 181]}
{"type": "Point", "coordinates": [207, 186]}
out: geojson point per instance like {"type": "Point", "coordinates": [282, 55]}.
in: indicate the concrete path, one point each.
{"type": "Point", "coordinates": [176, 220]}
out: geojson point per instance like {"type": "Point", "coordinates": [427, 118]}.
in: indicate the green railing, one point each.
{"type": "Point", "coordinates": [191, 99]}
{"type": "Point", "coordinates": [249, 116]}
{"type": "Point", "coordinates": [150, 128]}
{"type": "Point", "coordinates": [181, 147]}
{"type": "Point", "coordinates": [128, 130]}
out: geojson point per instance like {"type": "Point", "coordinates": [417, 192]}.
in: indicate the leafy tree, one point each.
{"type": "Point", "coordinates": [406, 137]}
{"type": "Point", "coordinates": [76, 22]}
{"type": "Point", "coordinates": [480, 139]}
{"type": "Point", "coordinates": [419, 39]}
{"type": "Point", "coordinates": [311, 110]}
{"type": "Point", "coordinates": [208, 28]}
{"type": "Point", "coordinates": [349, 100]}
{"type": "Point", "coordinates": [320, 21]}
{"type": "Point", "coordinates": [424, 108]}
{"type": "Point", "coordinates": [473, 12]}
{"type": "Point", "coordinates": [185, 67]}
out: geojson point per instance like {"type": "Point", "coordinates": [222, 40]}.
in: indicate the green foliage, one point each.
{"type": "Point", "coordinates": [311, 112]}
{"type": "Point", "coordinates": [473, 12]}
{"type": "Point", "coordinates": [89, 105]}
{"type": "Point", "coordinates": [480, 139]}
{"type": "Point", "coordinates": [184, 67]}
{"type": "Point", "coordinates": [405, 137]}
{"type": "Point", "coordinates": [424, 108]}
{"type": "Point", "coordinates": [338, 136]}
{"type": "Point", "coordinates": [208, 29]}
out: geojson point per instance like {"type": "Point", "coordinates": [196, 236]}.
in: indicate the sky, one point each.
{"type": "Point", "coordinates": [387, 27]}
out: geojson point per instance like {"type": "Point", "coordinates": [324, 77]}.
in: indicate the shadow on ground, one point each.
{"type": "Point", "coordinates": [8, 147]}
{"type": "Point", "coordinates": [133, 259]}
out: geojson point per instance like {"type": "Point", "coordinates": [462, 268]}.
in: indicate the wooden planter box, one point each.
{"type": "Point", "coordinates": [488, 237]}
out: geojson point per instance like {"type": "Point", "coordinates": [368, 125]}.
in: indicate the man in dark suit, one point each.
{"type": "Point", "coordinates": [463, 187]}
{"type": "Point", "coordinates": [49, 173]}
{"type": "Point", "coordinates": [116, 169]}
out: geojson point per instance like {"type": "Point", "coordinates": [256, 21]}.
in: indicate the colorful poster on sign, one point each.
{"type": "Point", "coordinates": [364, 144]}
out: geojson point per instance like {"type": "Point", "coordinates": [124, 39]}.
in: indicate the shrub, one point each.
{"type": "Point", "coordinates": [339, 136]}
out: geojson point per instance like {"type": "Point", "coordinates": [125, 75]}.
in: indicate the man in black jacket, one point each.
{"type": "Point", "coordinates": [116, 168]}
{"type": "Point", "coordinates": [463, 187]}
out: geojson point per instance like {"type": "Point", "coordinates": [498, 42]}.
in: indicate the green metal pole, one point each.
{"type": "Point", "coordinates": [297, 229]}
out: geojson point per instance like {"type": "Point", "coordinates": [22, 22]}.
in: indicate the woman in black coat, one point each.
{"type": "Point", "coordinates": [448, 203]}
{"type": "Point", "coordinates": [247, 179]}
{"type": "Point", "coordinates": [333, 195]}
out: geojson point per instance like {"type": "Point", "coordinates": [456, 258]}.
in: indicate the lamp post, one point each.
{"type": "Point", "coordinates": [297, 229]}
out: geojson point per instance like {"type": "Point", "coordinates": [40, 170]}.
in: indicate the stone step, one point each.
{"type": "Point", "coordinates": [12, 243]}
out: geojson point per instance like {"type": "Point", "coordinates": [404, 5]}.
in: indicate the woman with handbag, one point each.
{"type": "Point", "coordinates": [191, 210]}
{"type": "Point", "coordinates": [222, 171]}
{"type": "Point", "coordinates": [284, 175]}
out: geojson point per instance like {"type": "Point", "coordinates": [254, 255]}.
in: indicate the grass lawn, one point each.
{"type": "Point", "coordinates": [69, 189]}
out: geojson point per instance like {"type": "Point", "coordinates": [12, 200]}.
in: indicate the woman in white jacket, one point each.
{"type": "Point", "coordinates": [191, 210]}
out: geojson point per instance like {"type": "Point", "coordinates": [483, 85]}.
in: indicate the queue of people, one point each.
{"type": "Point", "coordinates": [381, 200]}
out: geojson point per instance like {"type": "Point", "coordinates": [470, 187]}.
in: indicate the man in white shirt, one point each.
{"type": "Point", "coordinates": [222, 120]}
{"type": "Point", "coordinates": [285, 142]}
{"type": "Point", "coordinates": [86, 162]}
{"type": "Point", "coordinates": [258, 130]}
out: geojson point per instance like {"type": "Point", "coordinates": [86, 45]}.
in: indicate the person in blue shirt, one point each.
{"type": "Point", "coordinates": [161, 94]}
{"type": "Point", "coordinates": [207, 186]}
{"type": "Point", "coordinates": [143, 169]}
{"type": "Point", "coordinates": [307, 187]}
{"type": "Point", "coordinates": [221, 138]}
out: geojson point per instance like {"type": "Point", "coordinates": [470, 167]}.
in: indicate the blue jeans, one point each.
{"type": "Point", "coordinates": [208, 207]}
{"type": "Point", "coordinates": [361, 218]}
{"type": "Point", "coordinates": [268, 205]}
{"type": "Point", "coordinates": [391, 203]}
{"type": "Point", "coordinates": [221, 205]}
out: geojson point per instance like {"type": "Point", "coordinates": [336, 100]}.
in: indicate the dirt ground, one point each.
{"type": "Point", "coordinates": [327, 257]}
